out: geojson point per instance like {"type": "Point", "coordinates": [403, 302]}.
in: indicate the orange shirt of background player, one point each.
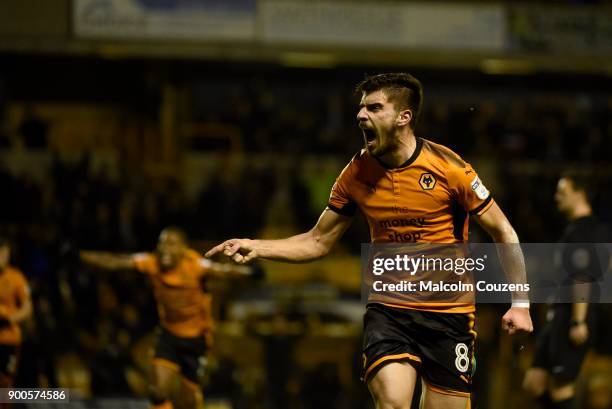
{"type": "Point", "coordinates": [184, 308]}
{"type": "Point", "coordinates": [14, 291]}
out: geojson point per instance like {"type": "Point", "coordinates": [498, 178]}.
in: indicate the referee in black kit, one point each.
{"type": "Point", "coordinates": [563, 342]}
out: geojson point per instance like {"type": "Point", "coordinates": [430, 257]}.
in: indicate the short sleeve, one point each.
{"type": "Point", "coordinates": [144, 263]}
{"type": "Point", "coordinates": [340, 200]}
{"type": "Point", "coordinates": [469, 190]}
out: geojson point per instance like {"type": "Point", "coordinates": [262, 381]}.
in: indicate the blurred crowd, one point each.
{"type": "Point", "coordinates": [317, 116]}
{"type": "Point", "coordinates": [517, 139]}
{"type": "Point", "coordinates": [519, 136]}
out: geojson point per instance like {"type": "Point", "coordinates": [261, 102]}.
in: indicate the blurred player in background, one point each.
{"type": "Point", "coordinates": [15, 306]}
{"type": "Point", "coordinates": [563, 342]}
{"type": "Point", "coordinates": [410, 190]}
{"type": "Point", "coordinates": [176, 273]}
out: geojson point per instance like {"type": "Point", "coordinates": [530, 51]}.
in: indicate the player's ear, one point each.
{"type": "Point", "coordinates": [404, 117]}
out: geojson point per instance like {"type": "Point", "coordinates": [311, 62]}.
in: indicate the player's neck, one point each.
{"type": "Point", "coordinates": [580, 210]}
{"type": "Point", "coordinates": [404, 151]}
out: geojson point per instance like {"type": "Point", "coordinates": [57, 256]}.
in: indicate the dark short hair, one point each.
{"type": "Point", "coordinates": [404, 90]}
{"type": "Point", "coordinates": [177, 231]}
{"type": "Point", "coordinates": [582, 181]}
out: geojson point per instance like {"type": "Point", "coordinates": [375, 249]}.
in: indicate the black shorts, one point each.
{"type": "Point", "coordinates": [186, 355]}
{"type": "Point", "coordinates": [9, 356]}
{"type": "Point", "coordinates": [439, 345]}
{"type": "Point", "coordinates": [554, 350]}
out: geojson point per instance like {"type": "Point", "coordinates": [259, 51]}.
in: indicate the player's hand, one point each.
{"type": "Point", "coordinates": [579, 333]}
{"type": "Point", "coordinates": [242, 251]}
{"type": "Point", "coordinates": [517, 319]}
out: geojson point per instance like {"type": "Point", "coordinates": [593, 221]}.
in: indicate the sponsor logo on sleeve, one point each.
{"type": "Point", "coordinates": [475, 183]}
{"type": "Point", "coordinates": [481, 191]}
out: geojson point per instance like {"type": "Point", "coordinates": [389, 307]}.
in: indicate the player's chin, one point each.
{"type": "Point", "coordinates": [372, 147]}
{"type": "Point", "coordinates": [376, 150]}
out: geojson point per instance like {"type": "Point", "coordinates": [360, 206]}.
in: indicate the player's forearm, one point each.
{"type": "Point", "coordinates": [512, 260]}
{"type": "Point", "coordinates": [229, 269]}
{"type": "Point", "coordinates": [579, 311]}
{"type": "Point", "coordinates": [296, 249]}
{"type": "Point", "coordinates": [106, 261]}
{"type": "Point", "coordinates": [23, 313]}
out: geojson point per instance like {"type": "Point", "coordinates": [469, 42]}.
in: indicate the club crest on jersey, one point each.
{"type": "Point", "coordinates": [480, 189]}
{"type": "Point", "coordinates": [427, 181]}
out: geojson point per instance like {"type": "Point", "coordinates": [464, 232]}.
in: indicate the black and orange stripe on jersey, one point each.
{"type": "Point", "coordinates": [426, 200]}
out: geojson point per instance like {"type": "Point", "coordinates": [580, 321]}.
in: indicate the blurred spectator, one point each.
{"type": "Point", "coordinates": [33, 129]}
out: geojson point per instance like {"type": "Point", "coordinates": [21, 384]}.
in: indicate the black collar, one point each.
{"type": "Point", "coordinates": [410, 160]}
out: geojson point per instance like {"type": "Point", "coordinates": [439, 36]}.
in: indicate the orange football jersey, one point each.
{"type": "Point", "coordinates": [184, 308]}
{"type": "Point", "coordinates": [14, 291]}
{"type": "Point", "coordinates": [426, 200]}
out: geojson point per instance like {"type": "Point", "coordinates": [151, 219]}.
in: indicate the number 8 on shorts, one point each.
{"type": "Point", "coordinates": [462, 361]}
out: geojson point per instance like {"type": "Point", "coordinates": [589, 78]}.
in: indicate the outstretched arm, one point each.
{"type": "Point", "coordinates": [231, 270]}
{"type": "Point", "coordinates": [312, 245]}
{"type": "Point", "coordinates": [511, 257]}
{"type": "Point", "coordinates": [24, 311]}
{"type": "Point", "coordinates": [108, 261]}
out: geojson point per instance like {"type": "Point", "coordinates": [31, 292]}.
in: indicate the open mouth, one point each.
{"type": "Point", "coordinates": [369, 135]}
